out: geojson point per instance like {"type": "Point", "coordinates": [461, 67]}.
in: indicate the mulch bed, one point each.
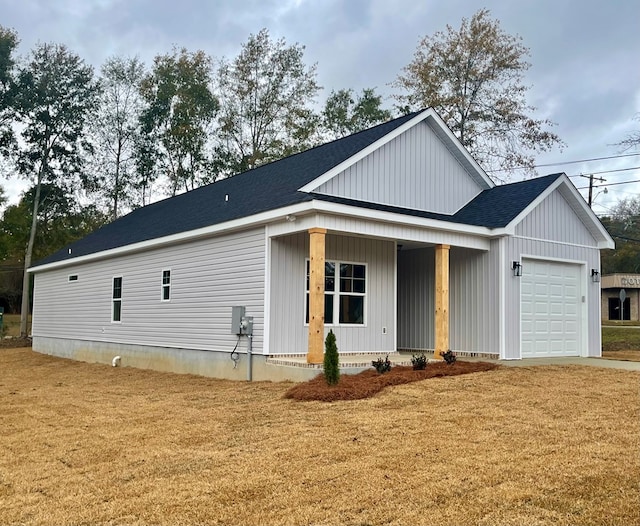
{"type": "Point", "coordinates": [369, 382]}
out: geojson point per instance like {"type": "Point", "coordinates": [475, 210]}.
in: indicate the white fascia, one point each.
{"type": "Point", "coordinates": [276, 215]}
{"type": "Point", "coordinates": [221, 228]}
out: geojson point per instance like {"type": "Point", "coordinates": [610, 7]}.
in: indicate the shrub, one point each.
{"type": "Point", "coordinates": [419, 362]}
{"type": "Point", "coordinates": [449, 357]}
{"type": "Point", "coordinates": [382, 366]}
{"type": "Point", "coordinates": [331, 360]}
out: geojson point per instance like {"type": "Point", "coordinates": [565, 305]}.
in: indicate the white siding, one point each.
{"type": "Point", "coordinates": [416, 282]}
{"type": "Point", "coordinates": [554, 219]}
{"type": "Point", "coordinates": [473, 301]}
{"type": "Point", "coordinates": [289, 334]}
{"type": "Point", "coordinates": [208, 277]}
{"type": "Point", "coordinates": [414, 170]}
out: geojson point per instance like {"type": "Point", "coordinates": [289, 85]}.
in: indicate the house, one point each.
{"type": "Point", "coordinates": [393, 237]}
{"type": "Point", "coordinates": [621, 297]}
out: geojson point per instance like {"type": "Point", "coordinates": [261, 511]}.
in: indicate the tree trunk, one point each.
{"type": "Point", "coordinates": [24, 311]}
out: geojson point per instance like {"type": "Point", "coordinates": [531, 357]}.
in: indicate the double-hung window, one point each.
{"type": "Point", "coordinates": [116, 300]}
{"type": "Point", "coordinates": [166, 285]}
{"type": "Point", "coordinates": [344, 293]}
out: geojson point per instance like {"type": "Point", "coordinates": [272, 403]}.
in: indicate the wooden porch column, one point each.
{"type": "Point", "coordinates": [442, 300]}
{"type": "Point", "coordinates": [315, 353]}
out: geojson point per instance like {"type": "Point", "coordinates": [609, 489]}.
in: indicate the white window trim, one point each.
{"type": "Point", "coordinates": [163, 285]}
{"type": "Point", "coordinates": [113, 300]}
{"type": "Point", "coordinates": [336, 294]}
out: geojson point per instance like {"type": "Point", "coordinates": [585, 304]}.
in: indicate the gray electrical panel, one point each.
{"type": "Point", "coordinates": [237, 313]}
{"type": "Point", "coordinates": [240, 323]}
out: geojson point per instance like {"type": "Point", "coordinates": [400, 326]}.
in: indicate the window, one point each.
{"type": "Point", "coordinates": [345, 303]}
{"type": "Point", "coordinates": [73, 277]}
{"type": "Point", "coordinates": [166, 285]}
{"type": "Point", "coordinates": [116, 301]}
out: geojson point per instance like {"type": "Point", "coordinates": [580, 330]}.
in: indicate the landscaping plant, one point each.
{"type": "Point", "coordinates": [331, 360]}
{"type": "Point", "coordinates": [419, 362]}
{"type": "Point", "coordinates": [449, 357]}
{"type": "Point", "coordinates": [382, 366]}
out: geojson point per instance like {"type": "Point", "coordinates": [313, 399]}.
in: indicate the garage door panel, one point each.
{"type": "Point", "coordinates": [556, 327]}
{"type": "Point", "coordinates": [550, 309]}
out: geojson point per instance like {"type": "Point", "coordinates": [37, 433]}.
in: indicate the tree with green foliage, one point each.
{"type": "Point", "coordinates": [56, 94]}
{"type": "Point", "coordinates": [331, 360]}
{"type": "Point", "coordinates": [266, 94]}
{"type": "Point", "coordinates": [624, 226]}
{"type": "Point", "coordinates": [344, 113]}
{"type": "Point", "coordinates": [473, 77]}
{"type": "Point", "coordinates": [8, 43]}
{"type": "Point", "coordinates": [177, 118]}
{"type": "Point", "coordinates": [116, 129]}
{"type": "Point", "coordinates": [61, 220]}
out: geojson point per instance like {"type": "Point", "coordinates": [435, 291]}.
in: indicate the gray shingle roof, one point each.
{"type": "Point", "coordinates": [274, 186]}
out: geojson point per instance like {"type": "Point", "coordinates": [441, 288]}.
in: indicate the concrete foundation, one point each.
{"type": "Point", "coordinates": [214, 364]}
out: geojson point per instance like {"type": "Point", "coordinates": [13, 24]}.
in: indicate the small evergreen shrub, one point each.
{"type": "Point", "coordinates": [419, 362]}
{"type": "Point", "coordinates": [449, 357]}
{"type": "Point", "coordinates": [331, 360]}
{"type": "Point", "coordinates": [382, 366]}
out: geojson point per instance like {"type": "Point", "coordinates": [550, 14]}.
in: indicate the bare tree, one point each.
{"type": "Point", "coordinates": [473, 77]}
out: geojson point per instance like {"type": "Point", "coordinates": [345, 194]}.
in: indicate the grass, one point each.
{"type": "Point", "coordinates": [621, 343]}
{"type": "Point", "coordinates": [11, 323]}
{"type": "Point", "coordinates": [91, 444]}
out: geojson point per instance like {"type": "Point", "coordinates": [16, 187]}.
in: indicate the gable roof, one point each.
{"type": "Point", "coordinates": [291, 181]}
{"type": "Point", "coordinates": [267, 187]}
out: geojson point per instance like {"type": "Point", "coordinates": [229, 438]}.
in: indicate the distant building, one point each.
{"type": "Point", "coordinates": [612, 307]}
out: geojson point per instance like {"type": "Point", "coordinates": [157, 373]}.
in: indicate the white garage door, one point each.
{"type": "Point", "coordinates": [550, 309]}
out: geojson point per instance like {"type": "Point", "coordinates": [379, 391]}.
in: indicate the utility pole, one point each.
{"type": "Point", "coordinates": [591, 179]}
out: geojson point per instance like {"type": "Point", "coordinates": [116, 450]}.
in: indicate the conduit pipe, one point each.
{"type": "Point", "coordinates": [249, 354]}
{"type": "Point", "coordinates": [116, 361]}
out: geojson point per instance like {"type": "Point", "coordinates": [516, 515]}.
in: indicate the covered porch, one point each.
{"type": "Point", "coordinates": [418, 295]}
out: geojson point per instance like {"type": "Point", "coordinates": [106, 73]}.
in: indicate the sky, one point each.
{"type": "Point", "coordinates": [584, 55]}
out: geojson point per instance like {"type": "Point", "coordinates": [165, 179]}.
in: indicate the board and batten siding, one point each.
{"type": "Point", "coordinates": [288, 330]}
{"type": "Point", "coordinates": [554, 219]}
{"type": "Point", "coordinates": [415, 170]}
{"type": "Point", "coordinates": [473, 300]}
{"type": "Point", "coordinates": [208, 277]}
{"type": "Point", "coordinates": [552, 231]}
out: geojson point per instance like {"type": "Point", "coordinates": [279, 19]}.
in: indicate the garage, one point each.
{"type": "Point", "coordinates": [550, 309]}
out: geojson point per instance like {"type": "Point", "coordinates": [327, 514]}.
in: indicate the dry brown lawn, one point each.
{"type": "Point", "coordinates": [90, 444]}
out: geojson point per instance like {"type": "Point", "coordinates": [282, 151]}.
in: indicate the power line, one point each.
{"type": "Point", "coordinates": [566, 162]}
{"type": "Point", "coordinates": [607, 184]}
{"type": "Point", "coordinates": [588, 160]}
{"type": "Point", "coordinates": [632, 240]}
{"type": "Point", "coordinates": [608, 171]}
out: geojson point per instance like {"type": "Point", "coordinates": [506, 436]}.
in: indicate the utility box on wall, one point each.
{"type": "Point", "coordinates": [237, 314]}
{"type": "Point", "coordinates": [240, 323]}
